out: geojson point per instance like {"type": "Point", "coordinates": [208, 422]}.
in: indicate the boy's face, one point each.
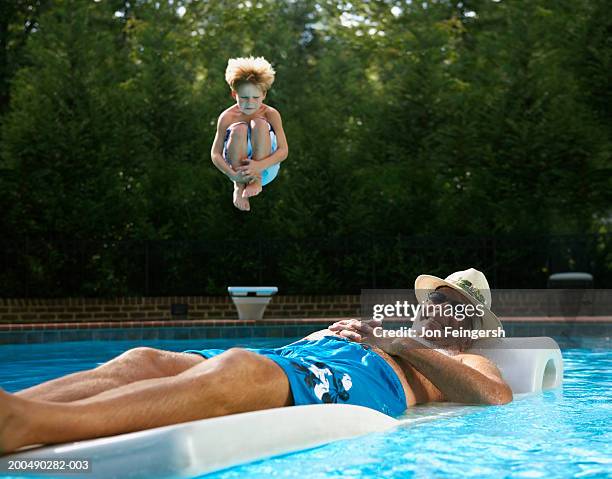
{"type": "Point", "coordinates": [248, 98]}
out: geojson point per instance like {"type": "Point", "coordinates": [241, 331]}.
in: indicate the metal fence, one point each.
{"type": "Point", "coordinates": [59, 268]}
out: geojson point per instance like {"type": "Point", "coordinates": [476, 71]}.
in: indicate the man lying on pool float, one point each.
{"type": "Point", "coordinates": [145, 388]}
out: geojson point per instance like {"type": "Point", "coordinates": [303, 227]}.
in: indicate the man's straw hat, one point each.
{"type": "Point", "coordinates": [471, 283]}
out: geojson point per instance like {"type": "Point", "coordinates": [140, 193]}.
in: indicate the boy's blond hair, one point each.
{"type": "Point", "coordinates": [252, 70]}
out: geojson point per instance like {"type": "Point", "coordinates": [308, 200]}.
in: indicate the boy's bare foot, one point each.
{"type": "Point", "coordinates": [252, 189]}
{"type": "Point", "coordinates": [12, 424]}
{"type": "Point", "coordinates": [240, 201]}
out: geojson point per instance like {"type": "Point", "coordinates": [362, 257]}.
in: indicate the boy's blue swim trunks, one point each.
{"type": "Point", "coordinates": [268, 174]}
{"type": "Point", "coordinates": [335, 370]}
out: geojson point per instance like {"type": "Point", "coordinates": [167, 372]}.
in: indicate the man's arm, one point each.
{"type": "Point", "coordinates": [466, 378]}
{"type": "Point", "coordinates": [469, 378]}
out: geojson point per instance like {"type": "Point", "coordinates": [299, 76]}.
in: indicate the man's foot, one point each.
{"type": "Point", "coordinates": [240, 201]}
{"type": "Point", "coordinates": [11, 428]}
{"type": "Point", "coordinates": [252, 189]}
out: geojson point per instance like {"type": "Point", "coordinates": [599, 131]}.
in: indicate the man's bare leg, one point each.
{"type": "Point", "coordinates": [260, 142]}
{"type": "Point", "coordinates": [235, 381]}
{"type": "Point", "coordinates": [133, 365]}
{"type": "Point", "coordinates": [236, 153]}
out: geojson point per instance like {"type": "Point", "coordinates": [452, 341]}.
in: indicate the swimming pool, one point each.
{"type": "Point", "coordinates": [563, 433]}
{"type": "Point", "coordinates": [24, 365]}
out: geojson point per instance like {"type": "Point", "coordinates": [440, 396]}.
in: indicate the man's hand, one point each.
{"type": "Point", "coordinates": [361, 332]}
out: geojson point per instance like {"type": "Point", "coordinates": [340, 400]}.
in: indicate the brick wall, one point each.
{"type": "Point", "coordinates": [155, 309]}
{"type": "Point", "coordinates": [507, 303]}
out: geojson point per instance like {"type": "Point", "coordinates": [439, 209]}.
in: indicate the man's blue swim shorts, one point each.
{"type": "Point", "coordinates": [335, 370]}
{"type": "Point", "coordinates": [268, 174]}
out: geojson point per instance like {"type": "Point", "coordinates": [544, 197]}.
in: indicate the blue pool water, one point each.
{"type": "Point", "coordinates": [562, 433]}
{"type": "Point", "coordinates": [24, 365]}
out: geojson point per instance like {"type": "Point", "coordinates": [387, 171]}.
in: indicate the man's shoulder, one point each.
{"type": "Point", "coordinates": [469, 358]}
{"type": "Point", "coordinates": [479, 363]}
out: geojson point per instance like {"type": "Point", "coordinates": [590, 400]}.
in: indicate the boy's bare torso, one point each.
{"type": "Point", "coordinates": [234, 115]}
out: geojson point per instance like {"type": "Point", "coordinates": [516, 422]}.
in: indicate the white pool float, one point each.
{"type": "Point", "coordinates": [529, 365]}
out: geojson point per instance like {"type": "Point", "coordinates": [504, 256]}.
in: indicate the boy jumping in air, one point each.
{"type": "Point", "coordinates": [250, 141]}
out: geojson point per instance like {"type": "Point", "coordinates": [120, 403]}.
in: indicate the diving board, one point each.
{"type": "Point", "coordinates": [251, 301]}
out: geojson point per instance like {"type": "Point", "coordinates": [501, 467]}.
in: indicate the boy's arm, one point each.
{"type": "Point", "coordinates": [282, 148]}
{"type": "Point", "coordinates": [216, 152]}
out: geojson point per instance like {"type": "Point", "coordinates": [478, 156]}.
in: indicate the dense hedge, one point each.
{"type": "Point", "coordinates": [457, 122]}
{"type": "Point", "coordinates": [311, 266]}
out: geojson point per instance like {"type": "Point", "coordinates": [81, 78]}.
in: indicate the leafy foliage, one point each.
{"type": "Point", "coordinates": [405, 120]}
